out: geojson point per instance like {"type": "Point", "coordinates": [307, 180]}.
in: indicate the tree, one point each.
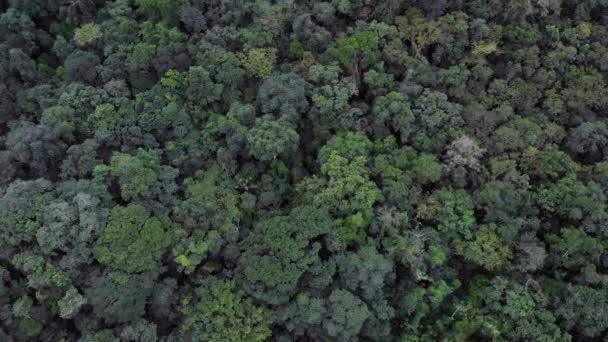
{"type": "Point", "coordinates": [200, 89]}
{"type": "Point", "coordinates": [433, 111]}
{"type": "Point", "coordinates": [21, 308]}
{"type": "Point", "coordinates": [521, 34]}
{"type": "Point", "coordinates": [573, 249]}
{"type": "Point", "coordinates": [348, 189]}
{"type": "Point", "coordinates": [548, 164]}
{"type": "Point", "coordinates": [463, 153]}
{"type": "Point", "coordinates": [139, 64]}
{"type": "Point", "coordinates": [270, 138]}
{"type": "Point", "coordinates": [193, 19]}
{"type": "Point", "coordinates": [583, 91]}
{"type": "Point", "coordinates": [46, 279]}
{"type": "Point", "coordinates": [583, 309]}
{"type": "Point", "coordinates": [308, 33]}
{"type": "Point", "coordinates": [224, 67]}
{"type": "Point", "coordinates": [366, 271]}
{"type": "Point", "coordinates": [331, 94]}
{"type": "Point", "coordinates": [156, 8]}
{"type": "Point", "coordinates": [416, 307]}
{"type": "Point", "coordinates": [284, 95]}
{"type": "Point", "coordinates": [140, 331]}
{"type": "Point", "coordinates": [140, 176]}
{"type": "Point", "coordinates": [590, 138]}
{"type": "Point", "coordinates": [80, 66]}
{"type": "Point", "coordinates": [404, 172]}
{"type": "Point", "coordinates": [71, 225]}
{"type": "Point", "coordinates": [19, 30]}
{"type": "Point", "coordinates": [224, 313]}
{"type": "Point", "coordinates": [304, 315]}
{"type": "Point", "coordinates": [173, 56]}
{"type": "Point", "coordinates": [38, 146]}
{"type": "Point", "coordinates": [349, 314]}
{"type": "Point", "coordinates": [70, 304]}
{"type": "Point", "coordinates": [280, 252]}
{"type": "Point", "coordinates": [22, 209]}
{"type": "Point", "coordinates": [392, 112]}
{"type": "Point", "coordinates": [24, 65]}
{"type": "Point", "coordinates": [82, 99]}
{"type": "Point", "coordinates": [87, 34]}
{"type": "Point", "coordinates": [348, 145]}
{"type": "Point", "coordinates": [454, 37]}
{"type": "Point", "coordinates": [119, 297]}
{"type": "Point", "coordinates": [453, 212]}
{"type": "Point", "coordinates": [80, 160]}
{"type": "Point", "coordinates": [211, 207]}
{"type": "Point", "coordinates": [259, 61]}
{"type": "Point", "coordinates": [531, 253]}
{"type": "Point", "coordinates": [419, 32]}
{"type": "Point", "coordinates": [511, 311]}
{"type": "Point", "coordinates": [356, 50]}
{"type": "Point", "coordinates": [63, 119]}
{"type": "Point", "coordinates": [133, 241]}
{"type": "Point", "coordinates": [505, 196]}
{"type": "Point", "coordinates": [7, 169]}
{"type": "Point", "coordinates": [486, 249]}
{"type": "Point", "coordinates": [571, 198]}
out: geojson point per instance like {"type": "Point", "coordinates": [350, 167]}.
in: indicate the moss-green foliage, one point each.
{"type": "Point", "coordinates": [361, 44]}
{"type": "Point", "coordinates": [453, 212]}
{"type": "Point", "coordinates": [22, 210]}
{"type": "Point", "coordinates": [520, 34]}
{"type": "Point", "coordinates": [210, 214]}
{"type": "Point", "coordinates": [348, 187]}
{"type": "Point", "coordinates": [225, 313]}
{"type": "Point", "coordinates": [136, 174]}
{"type": "Point", "coordinates": [486, 249]}
{"type": "Point", "coordinates": [133, 241]}
{"type": "Point", "coordinates": [417, 31]}
{"type": "Point", "coordinates": [40, 273]}
{"type": "Point", "coordinates": [87, 34]}
{"type": "Point", "coordinates": [259, 61]}
{"type": "Point", "coordinates": [139, 176]}
{"type": "Point", "coordinates": [346, 145]}
{"type": "Point", "coordinates": [510, 311]}
{"type": "Point", "coordinates": [30, 327]}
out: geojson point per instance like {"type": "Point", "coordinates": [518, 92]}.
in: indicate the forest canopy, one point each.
{"type": "Point", "coordinates": [281, 170]}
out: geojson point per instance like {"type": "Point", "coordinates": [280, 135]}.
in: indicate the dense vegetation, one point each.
{"type": "Point", "coordinates": [371, 170]}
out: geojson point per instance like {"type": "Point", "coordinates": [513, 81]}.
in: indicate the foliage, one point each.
{"type": "Point", "coordinates": [120, 297]}
{"type": "Point", "coordinates": [349, 313]}
{"type": "Point", "coordinates": [280, 251]}
{"type": "Point", "coordinates": [133, 241]}
{"type": "Point", "coordinates": [140, 176]}
{"type": "Point", "coordinates": [361, 44]}
{"type": "Point", "coordinates": [338, 170]}
{"type": "Point", "coordinates": [224, 313]}
{"type": "Point", "coordinates": [417, 31]}
{"type": "Point", "coordinates": [270, 138]}
{"type": "Point", "coordinates": [87, 34]}
{"type": "Point", "coordinates": [259, 61]}
{"type": "Point", "coordinates": [70, 304]}
{"type": "Point", "coordinates": [486, 249]}
{"type": "Point", "coordinates": [22, 210]}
